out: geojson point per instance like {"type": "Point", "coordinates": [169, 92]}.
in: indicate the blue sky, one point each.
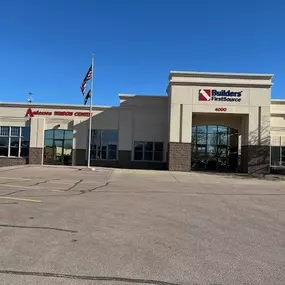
{"type": "Point", "coordinates": [46, 45]}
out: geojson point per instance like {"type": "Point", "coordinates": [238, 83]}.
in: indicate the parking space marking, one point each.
{"type": "Point", "coordinates": [15, 186]}
{"type": "Point", "coordinates": [20, 199]}
{"type": "Point", "coordinates": [15, 178]}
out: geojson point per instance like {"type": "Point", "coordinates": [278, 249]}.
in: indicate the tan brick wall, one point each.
{"type": "Point", "coordinates": [35, 155]}
{"type": "Point", "coordinates": [179, 156]}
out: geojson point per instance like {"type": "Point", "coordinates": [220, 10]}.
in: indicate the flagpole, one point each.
{"type": "Point", "coordinates": [90, 114]}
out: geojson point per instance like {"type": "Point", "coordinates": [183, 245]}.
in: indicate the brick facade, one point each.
{"type": "Point", "coordinates": [255, 159]}
{"type": "Point", "coordinates": [11, 161]}
{"type": "Point", "coordinates": [179, 156]}
{"type": "Point", "coordinates": [35, 155]}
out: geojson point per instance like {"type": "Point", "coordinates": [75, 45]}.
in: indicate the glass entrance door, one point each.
{"type": "Point", "coordinates": [58, 147]}
{"type": "Point", "coordinates": [214, 148]}
{"type": "Point", "coordinates": [58, 151]}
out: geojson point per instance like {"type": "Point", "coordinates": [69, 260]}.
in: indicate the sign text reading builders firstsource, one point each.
{"type": "Point", "coordinates": [222, 95]}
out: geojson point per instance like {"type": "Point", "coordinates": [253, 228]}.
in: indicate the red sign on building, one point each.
{"type": "Point", "coordinates": [31, 113]}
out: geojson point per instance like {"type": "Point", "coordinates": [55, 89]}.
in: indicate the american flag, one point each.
{"type": "Point", "coordinates": [87, 77]}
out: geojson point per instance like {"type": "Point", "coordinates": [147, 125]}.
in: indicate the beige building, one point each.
{"type": "Point", "coordinates": [207, 121]}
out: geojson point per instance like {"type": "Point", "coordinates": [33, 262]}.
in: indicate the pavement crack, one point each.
{"type": "Point", "coordinates": [85, 277]}
{"type": "Point", "coordinates": [41, 182]}
{"type": "Point", "coordinates": [40, 228]}
{"type": "Point", "coordinates": [18, 191]}
{"type": "Point", "coordinates": [74, 185]}
{"type": "Point", "coordinates": [107, 182]}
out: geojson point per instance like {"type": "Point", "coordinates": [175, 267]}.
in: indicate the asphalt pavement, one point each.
{"type": "Point", "coordinates": [61, 225]}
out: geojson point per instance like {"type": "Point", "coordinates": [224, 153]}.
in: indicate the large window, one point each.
{"type": "Point", "coordinates": [148, 151]}
{"type": "Point", "coordinates": [104, 144]}
{"type": "Point", "coordinates": [14, 141]}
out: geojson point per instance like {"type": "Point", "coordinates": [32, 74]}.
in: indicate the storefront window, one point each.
{"type": "Point", "coordinates": [14, 141]}
{"type": "Point", "coordinates": [104, 144]}
{"type": "Point", "coordinates": [148, 151]}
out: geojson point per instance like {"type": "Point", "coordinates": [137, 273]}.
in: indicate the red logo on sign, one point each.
{"type": "Point", "coordinates": [204, 95]}
{"type": "Point", "coordinates": [31, 113]}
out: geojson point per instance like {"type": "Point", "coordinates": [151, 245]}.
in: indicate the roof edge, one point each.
{"type": "Point", "coordinates": [127, 96]}
{"type": "Point", "coordinates": [219, 75]}
{"type": "Point", "coordinates": [51, 105]}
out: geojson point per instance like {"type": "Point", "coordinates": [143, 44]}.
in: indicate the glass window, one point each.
{"type": "Point", "coordinates": [14, 142]}
{"type": "Point", "coordinates": [25, 133]}
{"type": "Point", "coordinates": [158, 146]}
{"type": "Point", "coordinates": [49, 134]}
{"type": "Point", "coordinates": [138, 155]}
{"type": "Point", "coordinates": [4, 142]}
{"type": "Point", "coordinates": [15, 131]}
{"type": "Point", "coordinates": [68, 135]}
{"type": "Point", "coordinates": [14, 151]}
{"type": "Point", "coordinates": [222, 129]}
{"type": "Point", "coordinates": [68, 144]}
{"type": "Point", "coordinates": [104, 152]}
{"type": "Point", "coordinates": [93, 154]}
{"type": "Point", "coordinates": [49, 142]}
{"type": "Point", "coordinates": [212, 129]}
{"type": "Point", "coordinates": [13, 139]}
{"type": "Point", "coordinates": [211, 139]}
{"type": "Point", "coordinates": [59, 134]}
{"type": "Point", "coordinates": [4, 131]}
{"type": "Point", "coordinates": [211, 143]}
{"type": "Point", "coordinates": [24, 152]}
{"type": "Point", "coordinates": [158, 156]}
{"type": "Point", "coordinates": [201, 129]}
{"type": "Point", "coordinates": [148, 151]}
{"type": "Point", "coordinates": [3, 151]}
{"type": "Point", "coordinates": [275, 155]}
{"type": "Point", "coordinates": [138, 151]}
{"type": "Point", "coordinates": [148, 155]}
{"type": "Point", "coordinates": [222, 138]}
{"type": "Point", "coordinates": [104, 144]}
{"type": "Point", "coordinates": [201, 138]}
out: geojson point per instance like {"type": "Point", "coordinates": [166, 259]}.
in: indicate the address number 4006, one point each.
{"type": "Point", "coordinates": [221, 109]}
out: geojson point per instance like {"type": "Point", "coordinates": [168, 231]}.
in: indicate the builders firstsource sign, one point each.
{"type": "Point", "coordinates": [219, 95]}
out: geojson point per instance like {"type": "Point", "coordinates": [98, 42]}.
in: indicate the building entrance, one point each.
{"type": "Point", "coordinates": [58, 147]}
{"type": "Point", "coordinates": [214, 148]}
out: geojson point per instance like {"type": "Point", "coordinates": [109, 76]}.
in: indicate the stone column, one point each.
{"type": "Point", "coordinates": [36, 140]}
{"type": "Point", "coordinates": [179, 156]}
{"type": "Point", "coordinates": [179, 147]}
{"type": "Point", "coordinates": [35, 155]}
{"type": "Point", "coordinates": [255, 150]}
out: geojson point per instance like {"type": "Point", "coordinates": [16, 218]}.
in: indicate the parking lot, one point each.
{"type": "Point", "coordinates": [62, 225]}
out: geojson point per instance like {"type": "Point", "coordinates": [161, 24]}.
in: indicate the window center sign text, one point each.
{"type": "Point", "coordinates": [31, 113]}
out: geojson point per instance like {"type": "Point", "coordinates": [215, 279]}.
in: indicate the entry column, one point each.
{"type": "Point", "coordinates": [255, 149]}
{"type": "Point", "coordinates": [36, 140]}
{"type": "Point", "coordinates": [179, 149]}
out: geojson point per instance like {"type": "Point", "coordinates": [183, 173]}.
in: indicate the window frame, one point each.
{"type": "Point", "coordinates": [19, 137]}
{"type": "Point", "coordinates": [153, 151]}
{"type": "Point", "coordinates": [99, 146]}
